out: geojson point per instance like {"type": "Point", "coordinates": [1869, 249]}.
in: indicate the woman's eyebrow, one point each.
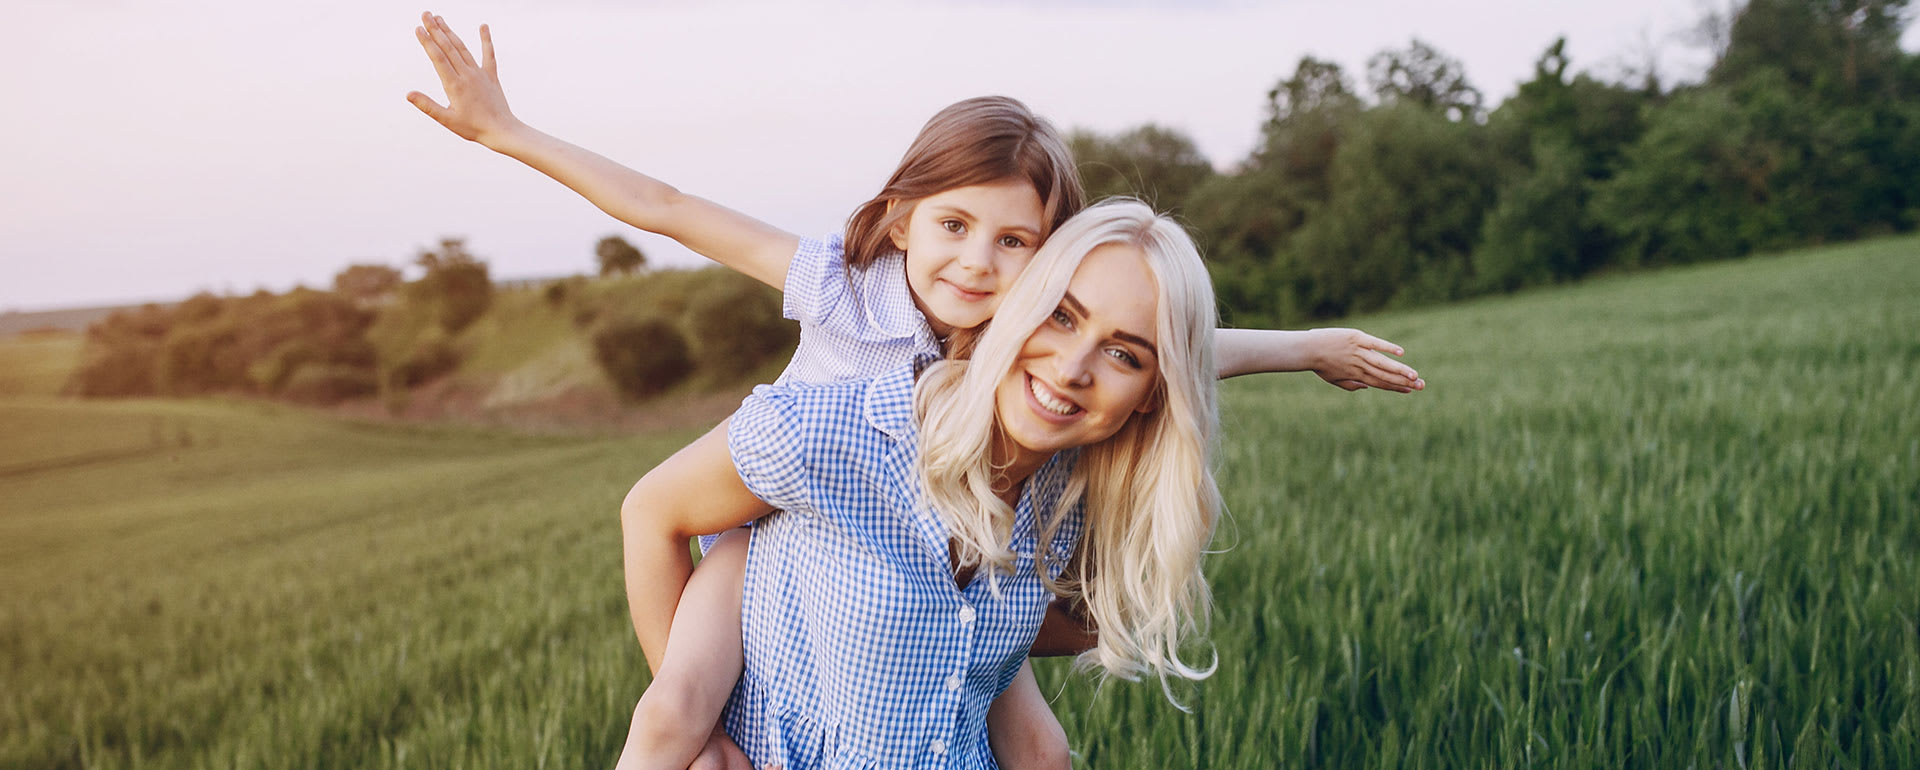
{"type": "Point", "coordinates": [1073, 303]}
{"type": "Point", "coordinates": [1137, 340]}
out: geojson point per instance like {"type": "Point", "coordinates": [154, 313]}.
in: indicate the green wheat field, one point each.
{"type": "Point", "coordinates": [1656, 520]}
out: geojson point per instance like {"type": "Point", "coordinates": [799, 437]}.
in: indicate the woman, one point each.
{"type": "Point", "coordinates": [931, 515]}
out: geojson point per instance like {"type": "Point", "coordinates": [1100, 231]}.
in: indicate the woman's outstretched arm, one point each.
{"type": "Point", "coordinates": [1347, 358]}
{"type": "Point", "coordinates": [477, 110]}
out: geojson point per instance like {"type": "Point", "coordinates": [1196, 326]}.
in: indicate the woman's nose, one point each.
{"type": "Point", "coordinates": [1074, 364]}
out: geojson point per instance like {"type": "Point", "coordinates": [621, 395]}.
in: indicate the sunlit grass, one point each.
{"type": "Point", "coordinates": [1661, 520]}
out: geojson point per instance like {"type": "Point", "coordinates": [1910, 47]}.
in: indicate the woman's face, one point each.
{"type": "Point", "coordinates": [1092, 364]}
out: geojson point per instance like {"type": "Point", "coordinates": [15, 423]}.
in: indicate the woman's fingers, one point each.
{"type": "Point", "coordinates": [1375, 343]}
{"type": "Point", "coordinates": [1380, 361]}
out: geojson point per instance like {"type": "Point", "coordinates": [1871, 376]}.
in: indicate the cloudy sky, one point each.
{"type": "Point", "coordinates": [155, 149]}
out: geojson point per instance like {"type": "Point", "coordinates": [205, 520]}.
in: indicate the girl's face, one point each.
{"type": "Point", "coordinates": [964, 248]}
{"type": "Point", "coordinates": [1092, 364]}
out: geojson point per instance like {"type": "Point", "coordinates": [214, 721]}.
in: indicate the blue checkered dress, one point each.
{"type": "Point", "coordinates": [853, 323]}
{"type": "Point", "coordinates": [860, 650]}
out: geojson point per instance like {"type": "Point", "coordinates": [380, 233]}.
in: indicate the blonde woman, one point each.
{"type": "Point", "coordinates": [932, 515]}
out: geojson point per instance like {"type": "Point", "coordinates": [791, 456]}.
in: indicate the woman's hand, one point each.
{"type": "Point", "coordinates": [1351, 359]}
{"type": "Point", "coordinates": [476, 106]}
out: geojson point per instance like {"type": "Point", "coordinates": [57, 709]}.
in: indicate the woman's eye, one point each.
{"type": "Point", "coordinates": [1060, 317]}
{"type": "Point", "coordinates": [1124, 357]}
{"type": "Point", "coordinates": [953, 225]}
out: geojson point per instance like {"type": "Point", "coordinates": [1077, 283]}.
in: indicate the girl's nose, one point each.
{"type": "Point", "coordinates": [977, 255]}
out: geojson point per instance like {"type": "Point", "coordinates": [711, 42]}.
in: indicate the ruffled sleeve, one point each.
{"type": "Point", "coordinates": [816, 280]}
{"type": "Point", "coordinates": [765, 443]}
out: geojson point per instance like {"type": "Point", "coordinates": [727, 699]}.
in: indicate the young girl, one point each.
{"type": "Point", "coordinates": [926, 259]}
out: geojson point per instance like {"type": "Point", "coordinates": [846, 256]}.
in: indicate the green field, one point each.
{"type": "Point", "coordinates": [1657, 520]}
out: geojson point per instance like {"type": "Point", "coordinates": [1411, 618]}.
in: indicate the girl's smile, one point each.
{"type": "Point", "coordinates": [964, 248]}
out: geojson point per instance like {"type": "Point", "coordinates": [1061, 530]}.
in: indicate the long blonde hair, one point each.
{"type": "Point", "coordinates": [1150, 496]}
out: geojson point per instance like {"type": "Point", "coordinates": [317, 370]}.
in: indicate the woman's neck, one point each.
{"type": "Point", "coordinates": [1016, 465]}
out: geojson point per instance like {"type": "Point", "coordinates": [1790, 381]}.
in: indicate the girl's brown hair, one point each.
{"type": "Point", "coordinates": [976, 141]}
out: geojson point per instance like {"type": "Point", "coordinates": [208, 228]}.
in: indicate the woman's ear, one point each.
{"type": "Point", "coordinates": [897, 232]}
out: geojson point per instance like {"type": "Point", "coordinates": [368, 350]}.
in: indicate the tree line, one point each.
{"type": "Point", "coordinates": [1806, 129]}
{"type": "Point", "coordinates": [377, 334]}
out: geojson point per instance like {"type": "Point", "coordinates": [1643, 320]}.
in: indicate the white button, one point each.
{"type": "Point", "coordinates": [966, 614]}
{"type": "Point", "coordinates": [939, 746]}
{"type": "Point", "coordinates": [953, 681]}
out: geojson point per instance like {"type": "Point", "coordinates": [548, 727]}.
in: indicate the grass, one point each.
{"type": "Point", "coordinates": [1657, 520]}
{"type": "Point", "coordinates": [37, 364]}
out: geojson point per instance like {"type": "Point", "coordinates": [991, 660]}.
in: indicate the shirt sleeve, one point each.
{"type": "Point", "coordinates": [765, 446]}
{"type": "Point", "coordinates": [816, 280]}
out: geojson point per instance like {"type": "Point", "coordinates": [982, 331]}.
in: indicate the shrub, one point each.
{"type": "Point", "coordinates": [329, 384]}
{"type": "Point", "coordinates": [433, 358]}
{"type": "Point", "coordinates": [643, 356]}
{"type": "Point", "coordinates": [736, 323]}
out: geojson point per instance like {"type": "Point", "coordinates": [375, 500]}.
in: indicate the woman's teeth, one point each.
{"type": "Point", "coordinates": [1047, 400]}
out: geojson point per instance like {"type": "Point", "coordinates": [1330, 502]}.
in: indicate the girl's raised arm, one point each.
{"type": "Point", "coordinates": [476, 110]}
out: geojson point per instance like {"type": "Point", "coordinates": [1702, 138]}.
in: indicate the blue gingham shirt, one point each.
{"type": "Point", "coordinates": [854, 323]}
{"type": "Point", "coordinates": [861, 652]}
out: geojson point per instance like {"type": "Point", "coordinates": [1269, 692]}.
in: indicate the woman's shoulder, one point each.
{"type": "Point", "coordinates": [836, 411]}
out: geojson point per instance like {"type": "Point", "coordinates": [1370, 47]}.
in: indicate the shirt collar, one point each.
{"type": "Point", "coordinates": [896, 319]}
{"type": "Point", "coordinates": [888, 401]}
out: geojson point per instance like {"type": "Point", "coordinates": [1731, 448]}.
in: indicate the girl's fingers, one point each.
{"type": "Point", "coordinates": [428, 106]}
{"type": "Point", "coordinates": [486, 51]}
{"type": "Point", "coordinates": [441, 39]}
{"type": "Point", "coordinates": [459, 46]}
{"type": "Point", "coordinates": [435, 55]}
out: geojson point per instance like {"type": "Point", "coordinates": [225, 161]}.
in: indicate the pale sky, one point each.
{"type": "Point", "coordinates": [152, 149]}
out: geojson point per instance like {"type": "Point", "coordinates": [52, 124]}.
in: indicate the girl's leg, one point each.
{"type": "Point", "coordinates": [680, 708]}
{"type": "Point", "coordinates": [1022, 729]}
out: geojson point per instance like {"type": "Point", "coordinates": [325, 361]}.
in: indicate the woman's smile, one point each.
{"type": "Point", "coordinates": [1050, 403]}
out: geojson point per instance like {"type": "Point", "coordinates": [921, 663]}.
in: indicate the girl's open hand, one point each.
{"type": "Point", "coordinates": [1351, 359]}
{"type": "Point", "coordinates": [476, 106]}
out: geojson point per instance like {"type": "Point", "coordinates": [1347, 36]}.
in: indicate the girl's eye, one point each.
{"type": "Point", "coordinates": [1012, 242]}
{"type": "Point", "coordinates": [953, 225]}
{"type": "Point", "coordinates": [1124, 357]}
{"type": "Point", "coordinates": [1060, 317]}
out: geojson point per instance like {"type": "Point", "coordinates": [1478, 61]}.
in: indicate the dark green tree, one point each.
{"type": "Point", "coordinates": [1155, 164]}
{"type": "Point", "coordinates": [1420, 74]}
{"type": "Point", "coordinates": [736, 323]}
{"type": "Point", "coordinates": [1410, 190]}
{"type": "Point", "coordinates": [1694, 187]}
{"type": "Point", "coordinates": [366, 282]}
{"type": "Point", "coordinates": [642, 356]}
{"type": "Point", "coordinates": [617, 256]}
{"type": "Point", "coordinates": [456, 284]}
{"type": "Point", "coordinates": [1553, 141]}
